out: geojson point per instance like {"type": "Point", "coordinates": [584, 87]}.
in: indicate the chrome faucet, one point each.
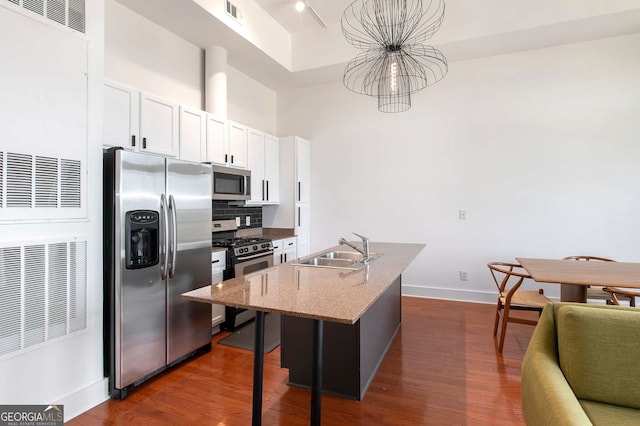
{"type": "Point", "coordinates": [365, 247]}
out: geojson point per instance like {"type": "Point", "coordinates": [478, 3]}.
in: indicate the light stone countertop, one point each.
{"type": "Point", "coordinates": [336, 295]}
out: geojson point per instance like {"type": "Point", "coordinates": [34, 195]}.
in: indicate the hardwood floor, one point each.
{"type": "Point", "coordinates": [443, 368]}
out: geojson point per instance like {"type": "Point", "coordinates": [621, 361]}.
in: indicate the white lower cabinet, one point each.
{"type": "Point", "coordinates": [289, 249]}
{"type": "Point", "coordinates": [284, 250]}
{"type": "Point", "coordinates": [218, 259]}
{"type": "Point", "coordinates": [303, 228]}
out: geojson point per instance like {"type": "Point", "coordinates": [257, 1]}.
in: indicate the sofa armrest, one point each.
{"type": "Point", "coordinates": [547, 398]}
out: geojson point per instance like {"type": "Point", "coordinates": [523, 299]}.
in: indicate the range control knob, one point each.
{"type": "Point", "coordinates": [255, 248]}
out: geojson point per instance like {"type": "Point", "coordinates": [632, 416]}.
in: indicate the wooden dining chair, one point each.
{"type": "Point", "coordinates": [509, 277]}
{"type": "Point", "coordinates": [616, 294]}
{"type": "Point", "coordinates": [598, 292]}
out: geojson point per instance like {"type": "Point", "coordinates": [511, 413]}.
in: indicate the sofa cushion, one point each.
{"type": "Point", "coordinates": [607, 414]}
{"type": "Point", "coordinates": [599, 352]}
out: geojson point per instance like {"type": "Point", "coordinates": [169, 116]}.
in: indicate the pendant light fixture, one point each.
{"type": "Point", "coordinates": [393, 62]}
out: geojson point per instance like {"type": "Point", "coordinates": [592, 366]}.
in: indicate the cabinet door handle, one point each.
{"type": "Point", "coordinates": [144, 143]}
{"type": "Point", "coordinates": [285, 257]}
{"type": "Point", "coordinates": [133, 140]}
{"type": "Point", "coordinates": [226, 158]}
{"type": "Point", "coordinates": [263, 190]}
{"type": "Point", "coordinates": [215, 261]}
{"type": "Point", "coordinates": [267, 190]}
{"type": "Point", "coordinates": [299, 191]}
{"type": "Point", "coordinates": [232, 159]}
{"type": "Point", "coordinates": [281, 258]}
{"type": "Point", "coordinates": [299, 216]}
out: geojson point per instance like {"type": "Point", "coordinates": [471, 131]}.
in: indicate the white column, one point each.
{"type": "Point", "coordinates": [215, 80]}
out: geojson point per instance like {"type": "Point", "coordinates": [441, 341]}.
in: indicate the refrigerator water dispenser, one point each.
{"type": "Point", "coordinates": [141, 237]}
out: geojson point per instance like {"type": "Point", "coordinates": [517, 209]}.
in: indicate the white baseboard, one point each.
{"type": "Point", "coordinates": [84, 399]}
{"type": "Point", "coordinates": [449, 294]}
{"type": "Point", "coordinates": [455, 294]}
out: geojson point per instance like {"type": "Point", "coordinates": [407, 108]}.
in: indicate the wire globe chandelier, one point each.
{"type": "Point", "coordinates": [393, 62]}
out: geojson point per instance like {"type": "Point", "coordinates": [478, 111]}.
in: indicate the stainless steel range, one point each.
{"type": "Point", "coordinates": [244, 255]}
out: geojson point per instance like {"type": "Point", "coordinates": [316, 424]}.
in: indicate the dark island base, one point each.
{"type": "Point", "coordinates": [352, 353]}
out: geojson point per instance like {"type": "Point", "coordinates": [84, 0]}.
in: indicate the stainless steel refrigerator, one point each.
{"type": "Point", "coordinates": [157, 245]}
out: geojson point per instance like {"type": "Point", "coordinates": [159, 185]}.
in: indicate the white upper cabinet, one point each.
{"type": "Point", "coordinates": [236, 155]}
{"type": "Point", "coordinates": [121, 116]}
{"type": "Point", "coordinates": [158, 125]}
{"type": "Point", "coordinates": [217, 141]}
{"type": "Point", "coordinates": [263, 159]}
{"type": "Point", "coordinates": [272, 169]}
{"type": "Point", "coordinates": [303, 170]}
{"type": "Point", "coordinates": [255, 163]}
{"type": "Point", "coordinates": [139, 121]}
{"type": "Point", "coordinates": [193, 134]}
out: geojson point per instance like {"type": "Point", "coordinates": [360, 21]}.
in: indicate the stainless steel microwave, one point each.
{"type": "Point", "coordinates": [231, 184]}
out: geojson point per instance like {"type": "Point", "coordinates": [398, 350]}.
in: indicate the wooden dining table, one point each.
{"type": "Point", "coordinates": [575, 276]}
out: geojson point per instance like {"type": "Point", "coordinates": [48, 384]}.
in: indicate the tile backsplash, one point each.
{"type": "Point", "coordinates": [224, 210]}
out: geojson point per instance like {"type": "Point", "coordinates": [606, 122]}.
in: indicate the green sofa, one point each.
{"type": "Point", "coordinates": [582, 366]}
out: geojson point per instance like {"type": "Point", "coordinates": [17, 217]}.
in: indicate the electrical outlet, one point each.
{"type": "Point", "coordinates": [462, 214]}
{"type": "Point", "coordinates": [463, 275]}
{"type": "Point", "coordinates": [248, 220]}
{"type": "Point", "coordinates": [237, 220]}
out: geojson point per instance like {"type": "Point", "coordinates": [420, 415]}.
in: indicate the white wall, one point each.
{"type": "Point", "coordinates": [249, 102]}
{"type": "Point", "coordinates": [540, 147]}
{"type": "Point", "coordinates": [69, 370]}
{"type": "Point", "coordinates": [142, 54]}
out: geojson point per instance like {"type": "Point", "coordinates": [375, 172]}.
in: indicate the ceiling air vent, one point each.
{"type": "Point", "coordinates": [234, 12]}
{"type": "Point", "coordinates": [70, 13]}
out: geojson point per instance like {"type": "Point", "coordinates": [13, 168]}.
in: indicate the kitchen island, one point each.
{"type": "Point", "coordinates": [319, 294]}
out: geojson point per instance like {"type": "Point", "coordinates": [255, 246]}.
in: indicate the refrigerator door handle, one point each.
{"type": "Point", "coordinates": [165, 219]}
{"type": "Point", "coordinates": [174, 236]}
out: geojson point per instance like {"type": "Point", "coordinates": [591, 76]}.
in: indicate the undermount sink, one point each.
{"type": "Point", "coordinates": [337, 259]}
{"type": "Point", "coordinates": [328, 262]}
{"type": "Point", "coordinates": [350, 255]}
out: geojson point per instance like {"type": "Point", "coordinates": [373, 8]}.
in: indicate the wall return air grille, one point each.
{"type": "Point", "coordinates": [31, 181]}
{"type": "Point", "coordinates": [70, 13]}
{"type": "Point", "coordinates": [43, 295]}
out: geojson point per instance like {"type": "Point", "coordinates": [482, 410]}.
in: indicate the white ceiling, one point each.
{"type": "Point", "coordinates": [294, 22]}
{"type": "Point", "coordinates": [471, 29]}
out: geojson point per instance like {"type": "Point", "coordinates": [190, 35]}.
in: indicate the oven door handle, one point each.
{"type": "Point", "coordinates": [253, 256]}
